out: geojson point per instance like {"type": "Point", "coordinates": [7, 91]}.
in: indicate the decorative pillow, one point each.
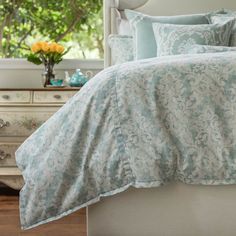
{"type": "Point", "coordinates": [208, 49]}
{"type": "Point", "coordinates": [221, 11]}
{"type": "Point", "coordinates": [122, 24]}
{"type": "Point", "coordinates": [222, 18]}
{"type": "Point", "coordinates": [144, 40]}
{"type": "Point", "coordinates": [123, 27]}
{"type": "Point", "coordinates": [174, 39]}
{"type": "Point", "coordinates": [121, 48]}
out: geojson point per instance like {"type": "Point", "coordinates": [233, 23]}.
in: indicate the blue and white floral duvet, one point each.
{"type": "Point", "coordinates": [139, 124]}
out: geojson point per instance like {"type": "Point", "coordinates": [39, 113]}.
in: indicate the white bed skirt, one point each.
{"type": "Point", "coordinates": [173, 210]}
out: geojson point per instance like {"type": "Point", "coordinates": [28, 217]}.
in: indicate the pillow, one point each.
{"type": "Point", "coordinates": [174, 39]}
{"type": "Point", "coordinates": [121, 48]}
{"type": "Point", "coordinates": [208, 49]}
{"type": "Point", "coordinates": [123, 27]}
{"type": "Point", "coordinates": [221, 11]}
{"type": "Point", "coordinates": [221, 18]}
{"type": "Point", "coordinates": [141, 25]}
{"type": "Point", "coordinates": [122, 24]}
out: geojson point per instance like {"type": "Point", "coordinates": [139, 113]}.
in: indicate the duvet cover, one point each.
{"type": "Point", "coordinates": [140, 124]}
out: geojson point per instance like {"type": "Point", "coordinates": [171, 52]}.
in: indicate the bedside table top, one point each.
{"type": "Point", "coordinates": [42, 89]}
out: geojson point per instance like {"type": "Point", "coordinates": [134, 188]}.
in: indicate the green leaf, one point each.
{"type": "Point", "coordinates": [58, 61]}
{"type": "Point", "coordinates": [52, 20]}
{"type": "Point", "coordinates": [34, 59]}
{"type": "Point", "coordinates": [66, 51]}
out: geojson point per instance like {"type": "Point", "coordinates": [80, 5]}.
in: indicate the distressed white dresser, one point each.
{"type": "Point", "coordinates": [22, 111]}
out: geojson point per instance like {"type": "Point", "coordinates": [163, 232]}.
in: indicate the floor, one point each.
{"type": "Point", "coordinates": [72, 225]}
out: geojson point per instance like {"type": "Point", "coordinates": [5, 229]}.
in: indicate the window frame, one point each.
{"type": "Point", "coordinates": [66, 64]}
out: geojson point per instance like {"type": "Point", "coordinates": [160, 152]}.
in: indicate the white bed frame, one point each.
{"type": "Point", "coordinates": [176, 209]}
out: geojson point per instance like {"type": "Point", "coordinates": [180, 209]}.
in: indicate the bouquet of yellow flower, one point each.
{"type": "Point", "coordinates": [48, 54]}
{"type": "Point", "coordinates": [44, 52]}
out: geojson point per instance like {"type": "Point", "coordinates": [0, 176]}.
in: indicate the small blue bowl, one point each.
{"type": "Point", "coordinates": [56, 82]}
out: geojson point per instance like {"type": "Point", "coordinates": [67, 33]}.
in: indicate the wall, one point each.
{"type": "Point", "coordinates": [18, 73]}
{"type": "Point", "coordinates": [173, 7]}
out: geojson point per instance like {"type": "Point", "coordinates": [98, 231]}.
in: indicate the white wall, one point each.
{"type": "Point", "coordinates": [172, 7]}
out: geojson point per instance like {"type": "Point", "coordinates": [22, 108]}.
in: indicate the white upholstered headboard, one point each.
{"type": "Point", "coordinates": [156, 7]}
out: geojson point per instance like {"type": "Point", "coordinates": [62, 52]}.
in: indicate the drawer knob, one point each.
{"type": "Point", "coordinates": [4, 155]}
{"type": "Point", "coordinates": [4, 123]}
{"type": "Point", "coordinates": [5, 96]}
{"type": "Point", "coordinates": [57, 96]}
{"type": "Point", "coordinates": [30, 124]}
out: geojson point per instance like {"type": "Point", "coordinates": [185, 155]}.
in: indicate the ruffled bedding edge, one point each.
{"type": "Point", "coordinates": [125, 187]}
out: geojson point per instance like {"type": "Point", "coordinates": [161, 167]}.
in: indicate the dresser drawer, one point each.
{"type": "Point", "coordinates": [8, 97]}
{"type": "Point", "coordinates": [14, 124]}
{"type": "Point", "coordinates": [52, 96]}
{"type": "Point", "coordinates": [7, 154]}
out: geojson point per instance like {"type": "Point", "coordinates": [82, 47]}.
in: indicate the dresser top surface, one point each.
{"type": "Point", "coordinates": [42, 89]}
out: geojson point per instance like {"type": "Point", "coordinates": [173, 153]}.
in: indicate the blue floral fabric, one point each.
{"type": "Point", "coordinates": [175, 39]}
{"type": "Point", "coordinates": [196, 48]}
{"type": "Point", "coordinates": [222, 17]}
{"type": "Point", "coordinates": [139, 124]}
{"type": "Point", "coordinates": [121, 48]}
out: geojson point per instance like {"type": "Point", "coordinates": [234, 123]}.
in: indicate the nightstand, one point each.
{"type": "Point", "coordinates": [22, 111]}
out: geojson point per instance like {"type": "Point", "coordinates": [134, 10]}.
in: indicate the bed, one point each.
{"type": "Point", "coordinates": [176, 209]}
{"type": "Point", "coordinates": [142, 125]}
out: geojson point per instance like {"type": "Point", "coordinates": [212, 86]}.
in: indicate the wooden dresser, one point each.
{"type": "Point", "coordinates": [22, 111]}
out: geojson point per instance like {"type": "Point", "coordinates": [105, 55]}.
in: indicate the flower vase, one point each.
{"type": "Point", "coordinates": [48, 74]}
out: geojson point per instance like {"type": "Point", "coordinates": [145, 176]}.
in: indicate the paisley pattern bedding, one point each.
{"type": "Point", "coordinates": [196, 48]}
{"type": "Point", "coordinates": [175, 39]}
{"type": "Point", "coordinates": [216, 18]}
{"type": "Point", "coordinates": [140, 124]}
{"type": "Point", "coordinates": [121, 48]}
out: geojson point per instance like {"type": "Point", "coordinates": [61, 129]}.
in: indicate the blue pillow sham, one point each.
{"type": "Point", "coordinates": [216, 18]}
{"type": "Point", "coordinates": [144, 41]}
{"type": "Point", "coordinates": [121, 48]}
{"type": "Point", "coordinates": [174, 39]}
{"type": "Point", "coordinates": [194, 49]}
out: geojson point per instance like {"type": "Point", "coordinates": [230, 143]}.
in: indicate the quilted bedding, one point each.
{"type": "Point", "coordinates": [140, 124]}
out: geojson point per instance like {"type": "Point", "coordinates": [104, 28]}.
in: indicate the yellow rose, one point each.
{"type": "Point", "coordinates": [53, 47]}
{"type": "Point", "coordinates": [45, 47]}
{"type": "Point", "coordinates": [60, 49]}
{"type": "Point", "coordinates": [35, 48]}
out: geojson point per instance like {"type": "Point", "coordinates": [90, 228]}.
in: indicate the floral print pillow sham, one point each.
{"type": "Point", "coordinates": [208, 49]}
{"type": "Point", "coordinates": [121, 48]}
{"type": "Point", "coordinates": [141, 24]}
{"type": "Point", "coordinates": [217, 17]}
{"type": "Point", "coordinates": [175, 39]}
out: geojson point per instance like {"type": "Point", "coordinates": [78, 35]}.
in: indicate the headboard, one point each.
{"type": "Point", "coordinates": [156, 7]}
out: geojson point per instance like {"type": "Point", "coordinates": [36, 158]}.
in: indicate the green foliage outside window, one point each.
{"type": "Point", "coordinates": [76, 23]}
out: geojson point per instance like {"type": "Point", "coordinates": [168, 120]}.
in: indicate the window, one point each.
{"type": "Point", "coordinates": [75, 23]}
